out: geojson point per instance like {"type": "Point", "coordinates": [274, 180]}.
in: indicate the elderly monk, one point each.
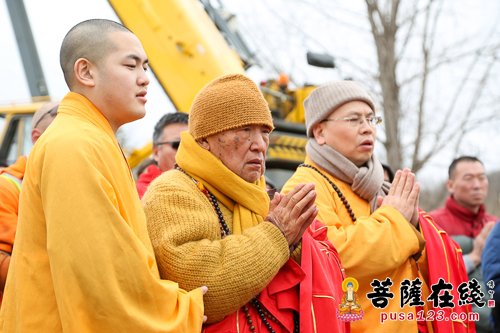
{"type": "Point", "coordinates": [212, 222]}
{"type": "Point", "coordinates": [82, 260]}
{"type": "Point", "coordinates": [378, 231]}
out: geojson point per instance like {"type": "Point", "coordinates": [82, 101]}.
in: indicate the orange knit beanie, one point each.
{"type": "Point", "coordinates": [228, 102]}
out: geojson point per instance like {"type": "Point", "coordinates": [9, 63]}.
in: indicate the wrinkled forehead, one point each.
{"type": "Point", "coordinates": [240, 128]}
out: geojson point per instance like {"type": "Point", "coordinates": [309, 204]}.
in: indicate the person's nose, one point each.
{"type": "Point", "coordinates": [143, 79]}
{"type": "Point", "coordinates": [476, 183]}
{"type": "Point", "coordinates": [365, 126]}
{"type": "Point", "coordinates": [259, 142]}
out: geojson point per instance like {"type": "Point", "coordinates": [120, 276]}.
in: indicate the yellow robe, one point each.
{"type": "Point", "coordinates": [377, 246]}
{"type": "Point", "coordinates": [185, 233]}
{"type": "Point", "coordinates": [82, 260]}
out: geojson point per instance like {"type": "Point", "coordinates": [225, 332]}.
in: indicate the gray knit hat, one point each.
{"type": "Point", "coordinates": [327, 98]}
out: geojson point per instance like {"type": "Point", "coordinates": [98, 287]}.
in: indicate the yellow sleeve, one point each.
{"type": "Point", "coordinates": [376, 243]}
{"type": "Point", "coordinates": [104, 277]}
{"type": "Point", "coordinates": [185, 233]}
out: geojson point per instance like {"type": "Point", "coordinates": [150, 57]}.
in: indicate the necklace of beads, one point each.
{"type": "Point", "coordinates": [335, 188]}
{"type": "Point", "coordinates": [224, 231]}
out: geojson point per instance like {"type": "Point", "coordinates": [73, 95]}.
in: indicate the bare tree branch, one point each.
{"type": "Point", "coordinates": [384, 34]}
{"type": "Point", "coordinates": [465, 125]}
{"type": "Point", "coordinates": [473, 103]}
{"type": "Point", "coordinates": [447, 59]}
{"type": "Point", "coordinates": [409, 34]}
{"type": "Point", "coordinates": [423, 88]}
{"type": "Point", "coordinates": [397, 29]}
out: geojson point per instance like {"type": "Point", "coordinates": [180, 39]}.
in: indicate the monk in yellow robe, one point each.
{"type": "Point", "coordinates": [83, 261]}
{"type": "Point", "coordinates": [384, 240]}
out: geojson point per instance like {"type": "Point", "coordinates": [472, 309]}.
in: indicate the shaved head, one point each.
{"type": "Point", "coordinates": [90, 40]}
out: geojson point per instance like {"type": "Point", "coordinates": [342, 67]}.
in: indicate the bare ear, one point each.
{"type": "Point", "coordinates": [155, 153]}
{"type": "Point", "coordinates": [35, 134]}
{"type": "Point", "coordinates": [318, 133]}
{"type": "Point", "coordinates": [83, 70]}
{"type": "Point", "coordinates": [204, 144]}
{"type": "Point", "coordinates": [449, 186]}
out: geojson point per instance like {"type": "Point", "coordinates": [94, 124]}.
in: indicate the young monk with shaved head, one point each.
{"type": "Point", "coordinates": [83, 261]}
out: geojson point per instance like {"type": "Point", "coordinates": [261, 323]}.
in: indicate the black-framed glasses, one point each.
{"type": "Point", "coordinates": [173, 144]}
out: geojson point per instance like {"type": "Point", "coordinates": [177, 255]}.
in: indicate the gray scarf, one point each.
{"type": "Point", "coordinates": [366, 181]}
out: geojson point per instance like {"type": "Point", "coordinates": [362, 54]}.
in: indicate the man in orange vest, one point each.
{"type": "Point", "coordinates": [10, 187]}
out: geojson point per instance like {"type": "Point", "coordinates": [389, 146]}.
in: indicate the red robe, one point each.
{"type": "Point", "coordinates": [313, 289]}
{"type": "Point", "coordinates": [445, 261]}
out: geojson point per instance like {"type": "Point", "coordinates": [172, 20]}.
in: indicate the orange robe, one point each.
{"type": "Point", "coordinates": [9, 202]}
{"type": "Point", "coordinates": [83, 261]}
{"type": "Point", "coordinates": [10, 188]}
{"type": "Point", "coordinates": [381, 245]}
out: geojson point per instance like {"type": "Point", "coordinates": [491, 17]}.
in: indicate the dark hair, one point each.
{"type": "Point", "coordinates": [457, 160]}
{"type": "Point", "coordinates": [143, 166]}
{"type": "Point", "coordinates": [389, 171]}
{"type": "Point", "coordinates": [169, 118]}
{"type": "Point", "coordinates": [88, 39]}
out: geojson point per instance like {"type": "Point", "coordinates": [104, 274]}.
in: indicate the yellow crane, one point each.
{"type": "Point", "coordinates": [189, 43]}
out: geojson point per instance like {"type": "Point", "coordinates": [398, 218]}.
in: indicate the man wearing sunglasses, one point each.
{"type": "Point", "coordinates": [10, 189]}
{"type": "Point", "coordinates": [166, 140]}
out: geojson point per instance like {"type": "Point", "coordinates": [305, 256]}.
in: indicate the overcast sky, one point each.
{"type": "Point", "coordinates": [51, 19]}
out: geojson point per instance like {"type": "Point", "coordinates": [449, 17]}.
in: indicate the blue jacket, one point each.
{"type": "Point", "coordinates": [491, 261]}
{"type": "Point", "coordinates": [491, 270]}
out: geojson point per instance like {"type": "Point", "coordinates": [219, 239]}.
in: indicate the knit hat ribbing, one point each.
{"type": "Point", "coordinates": [327, 98]}
{"type": "Point", "coordinates": [228, 102]}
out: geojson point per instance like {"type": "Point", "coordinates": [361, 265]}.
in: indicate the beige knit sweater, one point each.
{"type": "Point", "coordinates": [185, 233]}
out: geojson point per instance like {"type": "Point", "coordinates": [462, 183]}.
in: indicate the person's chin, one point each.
{"type": "Point", "coordinates": [479, 201]}
{"type": "Point", "coordinates": [139, 113]}
{"type": "Point", "coordinates": [252, 177]}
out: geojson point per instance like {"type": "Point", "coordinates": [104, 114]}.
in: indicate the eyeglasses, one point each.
{"type": "Point", "coordinates": [173, 144]}
{"type": "Point", "coordinates": [356, 121]}
{"type": "Point", "coordinates": [52, 112]}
